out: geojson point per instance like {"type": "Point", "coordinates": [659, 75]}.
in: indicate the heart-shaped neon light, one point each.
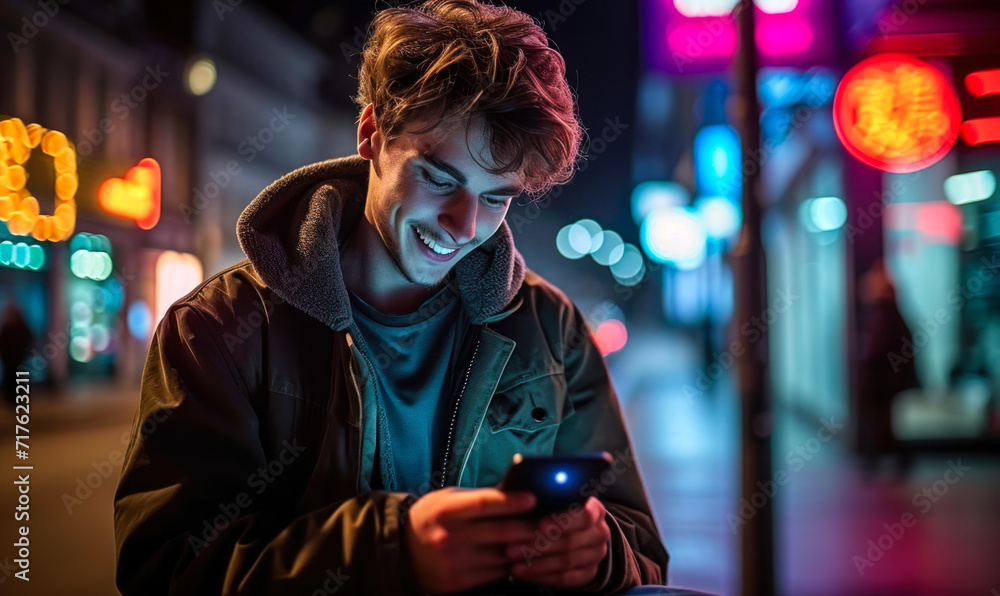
{"type": "Point", "coordinates": [137, 196]}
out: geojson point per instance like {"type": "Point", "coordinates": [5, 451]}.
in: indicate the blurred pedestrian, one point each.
{"type": "Point", "coordinates": [15, 343]}
{"type": "Point", "coordinates": [887, 367]}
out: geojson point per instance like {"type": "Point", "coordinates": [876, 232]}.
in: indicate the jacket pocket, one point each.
{"type": "Point", "coordinates": [531, 406]}
{"type": "Point", "coordinates": [529, 414]}
{"type": "Point", "coordinates": [521, 419]}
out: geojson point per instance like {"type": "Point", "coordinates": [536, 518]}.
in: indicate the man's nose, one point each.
{"type": "Point", "coordinates": [459, 217]}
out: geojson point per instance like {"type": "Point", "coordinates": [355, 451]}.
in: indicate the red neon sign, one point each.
{"type": "Point", "coordinates": [984, 82]}
{"type": "Point", "coordinates": [896, 113]}
{"type": "Point", "coordinates": [982, 130]}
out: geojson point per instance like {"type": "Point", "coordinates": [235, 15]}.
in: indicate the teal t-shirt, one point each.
{"type": "Point", "coordinates": [413, 359]}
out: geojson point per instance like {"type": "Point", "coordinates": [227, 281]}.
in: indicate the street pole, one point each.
{"type": "Point", "coordinates": [750, 279]}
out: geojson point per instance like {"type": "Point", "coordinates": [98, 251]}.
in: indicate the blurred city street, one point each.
{"type": "Point", "coordinates": [827, 511]}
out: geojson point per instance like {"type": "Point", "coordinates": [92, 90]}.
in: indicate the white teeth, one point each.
{"type": "Point", "coordinates": [435, 247]}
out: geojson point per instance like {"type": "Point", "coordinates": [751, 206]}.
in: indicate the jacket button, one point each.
{"type": "Point", "coordinates": [538, 414]}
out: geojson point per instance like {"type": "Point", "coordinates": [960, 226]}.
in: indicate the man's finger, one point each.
{"type": "Point", "coordinates": [484, 558]}
{"type": "Point", "coordinates": [487, 502]}
{"type": "Point", "coordinates": [566, 578]}
{"type": "Point", "coordinates": [500, 531]}
{"type": "Point", "coordinates": [579, 521]}
{"type": "Point", "coordinates": [554, 563]}
{"type": "Point", "coordinates": [471, 578]}
{"type": "Point", "coordinates": [590, 514]}
{"type": "Point", "coordinates": [567, 542]}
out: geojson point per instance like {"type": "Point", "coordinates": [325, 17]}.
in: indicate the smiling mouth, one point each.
{"type": "Point", "coordinates": [434, 246]}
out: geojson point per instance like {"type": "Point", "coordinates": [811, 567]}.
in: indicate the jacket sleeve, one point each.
{"type": "Point", "coordinates": [637, 555]}
{"type": "Point", "coordinates": [187, 517]}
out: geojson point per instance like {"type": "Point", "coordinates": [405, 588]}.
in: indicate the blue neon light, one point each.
{"type": "Point", "coordinates": [717, 161]}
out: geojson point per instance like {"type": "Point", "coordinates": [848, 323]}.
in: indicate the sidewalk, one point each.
{"type": "Point", "coordinates": [75, 407]}
{"type": "Point", "coordinates": [77, 438]}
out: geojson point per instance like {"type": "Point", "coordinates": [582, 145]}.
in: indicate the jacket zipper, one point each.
{"type": "Point", "coordinates": [354, 378]}
{"type": "Point", "coordinates": [363, 348]}
{"type": "Point", "coordinates": [454, 416]}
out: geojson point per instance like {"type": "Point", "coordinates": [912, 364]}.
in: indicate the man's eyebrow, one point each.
{"type": "Point", "coordinates": [462, 179]}
{"type": "Point", "coordinates": [445, 167]}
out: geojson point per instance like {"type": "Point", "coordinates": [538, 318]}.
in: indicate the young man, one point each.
{"type": "Point", "coordinates": [329, 414]}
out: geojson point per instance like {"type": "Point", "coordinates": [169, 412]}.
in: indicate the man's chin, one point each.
{"type": "Point", "coordinates": [427, 277]}
{"type": "Point", "coordinates": [431, 281]}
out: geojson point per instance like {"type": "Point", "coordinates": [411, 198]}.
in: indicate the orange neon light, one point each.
{"type": "Point", "coordinates": [137, 196]}
{"type": "Point", "coordinates": [896, 113]}
{"type": "Point", "coordinates": [17, 206]}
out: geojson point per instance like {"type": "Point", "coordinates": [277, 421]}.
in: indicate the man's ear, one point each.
{"type": "Point", "coordinates": [367, 131]}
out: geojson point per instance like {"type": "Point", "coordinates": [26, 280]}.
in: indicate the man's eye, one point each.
{"type": "Point", "coordinates": [435, 183]}
{"type": "Point", "coordinates": [495, 202]}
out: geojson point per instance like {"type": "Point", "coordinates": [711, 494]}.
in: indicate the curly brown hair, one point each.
{"type": "Point", "coordinates": [449, 60]}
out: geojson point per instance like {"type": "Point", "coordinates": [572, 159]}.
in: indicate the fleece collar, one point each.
{"type": "Point", "coordinates": [294, 230]}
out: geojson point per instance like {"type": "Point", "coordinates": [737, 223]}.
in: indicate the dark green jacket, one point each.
{"type": "Point", "coordinates": [249, 469]}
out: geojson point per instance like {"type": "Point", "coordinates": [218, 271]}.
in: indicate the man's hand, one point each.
{"type": "Point", "coordinates": [577, 549]}
{"type": "Point", "coordinates": [458, 538]}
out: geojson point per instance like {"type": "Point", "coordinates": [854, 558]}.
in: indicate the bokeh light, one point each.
{"type": "Point", "coordinates": [611, 250]}
{"type": "Point", "coordinates": [717, 153]}
{"type": "Point", "coordinates": [674, 236]}
{"type": "Point", "coordinates": [80, 349]}
{"type": "Point", "coordinates": [720, 217]}
{"type": "Point", "coordinates": [20, 255]}
{"type": "Point", "coordinates": [564, 246]}
{"type": "Point", "coordinates": [610, 336]}
{"type": "Point", "coordinates": [201, 76]}
{"type": "Point", "coordinates": [18, 208]}
{"type": "Point", "coordinates": [630, 264]}
{"type": "Point", "coordinates": [100, 337]}
{"type": "Point", "coordinates": [90, 256]}
{"type": "Point", "coordinates": [651, 196]}
{"type": "Point", "coordinates": [823, 214]}
{"type": "Point", "coordinates": [176, 275]}
{"type": "Point", "coordinates": [140, 320]}
{"type": "Point", "coordinates": [896, 113]}
{"type": "Point", "coordinates": [970, 187]}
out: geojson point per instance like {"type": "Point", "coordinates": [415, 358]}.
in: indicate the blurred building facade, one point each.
{"type": "Point", "coordinates": [127, 81]}
{"type": "Point", "coordinates": [114, 93]}
{"type": "Point", "coordinates": [829, 216]}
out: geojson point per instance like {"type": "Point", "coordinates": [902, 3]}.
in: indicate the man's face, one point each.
{"type": "Point", "coordinates": [428, 198]}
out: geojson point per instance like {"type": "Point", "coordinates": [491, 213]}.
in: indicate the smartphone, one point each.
{"type": "Point", "coordinates": [557, 481]}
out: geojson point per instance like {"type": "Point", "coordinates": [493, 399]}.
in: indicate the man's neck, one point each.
{"type": "Point", "coordinates": [371, 274]}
